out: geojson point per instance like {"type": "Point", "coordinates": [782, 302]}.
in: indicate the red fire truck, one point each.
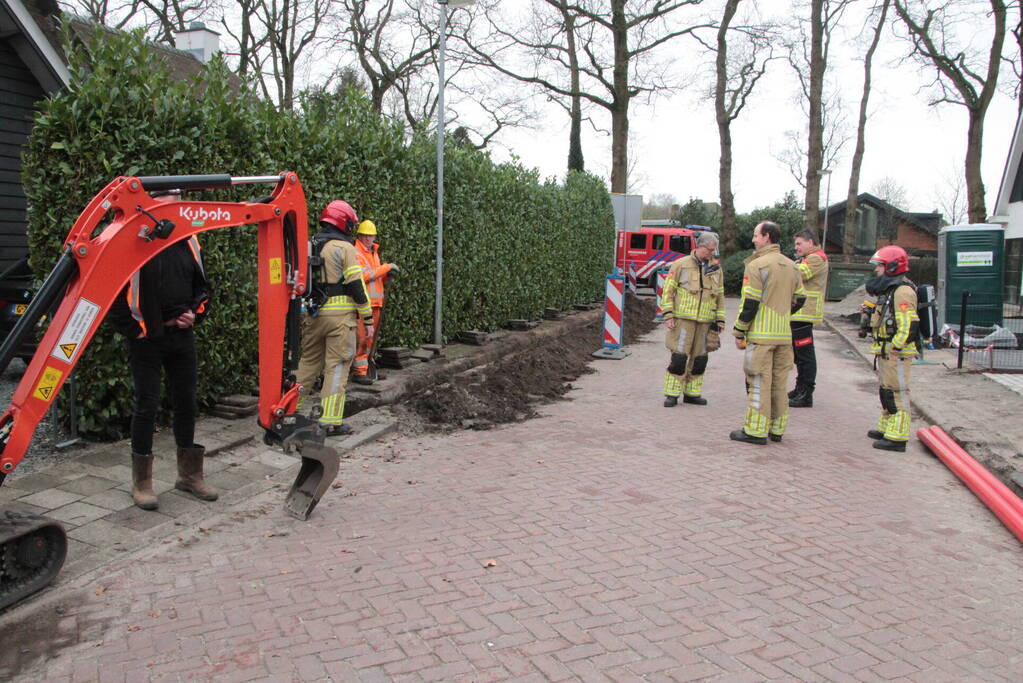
{"type": "Point", "coordinates": [655, 245]}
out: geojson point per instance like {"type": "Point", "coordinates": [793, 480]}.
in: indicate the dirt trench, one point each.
{"type": "Point", "coordinates": [510, 389]}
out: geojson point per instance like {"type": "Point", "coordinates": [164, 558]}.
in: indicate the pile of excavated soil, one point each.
{"type": "Point", "coordinates": [508, 390]}
{"type": "Point", "coordinates": [849, 307]}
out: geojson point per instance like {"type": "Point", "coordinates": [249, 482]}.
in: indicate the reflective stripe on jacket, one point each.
{"type": "Point", "coordinates": [373, 273]}
{"type": "Point", "coordinates": [341, 264]}
{"type": "Point", "coordinates": [772, 279]}
{"type": "Point", "coordinates": [694, 291]}
{"type": "Point", "coordinates": [813, 269]}
{"type": "Point", "coordinates": [895, 322]}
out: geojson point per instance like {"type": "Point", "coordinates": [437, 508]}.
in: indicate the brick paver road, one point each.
{"type": "Point", "coordinates": [610, 539]}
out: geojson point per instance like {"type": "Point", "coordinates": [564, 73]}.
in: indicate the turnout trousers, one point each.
{"type": "Point", "coordinates": [805, 356]}
{"type": "Point", "coordinates": [328, 347]}
{"type": "Point", "coordinates": [767, 370]}
{"type": "Point", "coordinates": [893, 372]}
{"type": "Point", "coordinates": [688, 345]}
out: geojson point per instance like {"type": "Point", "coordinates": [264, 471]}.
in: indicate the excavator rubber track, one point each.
{"type": "Point", "coordinates": [32, 551]}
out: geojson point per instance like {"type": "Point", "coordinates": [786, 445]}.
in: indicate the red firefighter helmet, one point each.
{"type": "Point", "coordinates": [894, 259]}
{"type": "Point", "coordinates": [340, 214]}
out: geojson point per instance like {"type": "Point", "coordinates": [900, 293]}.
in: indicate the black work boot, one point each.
{"type": "Point", "coordinates": [695, 400]}
{"type": "Point", "coordinates": [889, 445]}
{"type": "Point", "coordinates": [741, 435]}
{"type": "Point", "coordinates": [802, 399]}
{"type": "Point", "coordinates": [774, 437]}
{"type": "Point", "coordinates": [339, 430]}
{"type": "Point", "coordinates": [875, 434]}
{"type": "Point", "coordinates": [670, 401]}
{"type": "Point", "coordinates": [364, 380]}
{"type": "Point", "coordinates": [795, 392]}
{"type": "Point", "coordinates": [142, 481]}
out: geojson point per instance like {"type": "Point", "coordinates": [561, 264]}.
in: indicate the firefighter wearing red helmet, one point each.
{"type": "Point", "coordinates": [328, 332]}
{"type": "Point", "coordinates": [894, 326]}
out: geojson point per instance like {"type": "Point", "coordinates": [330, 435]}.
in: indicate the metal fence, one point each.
{"type": "Point", "coordinates": [988, 333]}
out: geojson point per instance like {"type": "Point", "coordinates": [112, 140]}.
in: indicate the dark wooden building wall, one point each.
{"type": "Point", "coordinates": [19, 93]}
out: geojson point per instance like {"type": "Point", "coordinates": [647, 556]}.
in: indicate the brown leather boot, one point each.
{"type": "Point", "coordinates": [190, 473]}
{"type": "Point", "coordinates": [142, 481]}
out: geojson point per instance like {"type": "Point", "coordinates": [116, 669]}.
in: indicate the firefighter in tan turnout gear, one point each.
{"type": "Point", "coordinates": [893, 325]}
{"type": "Point", "coordinates": [693, 304]}
{"type": "Point", "coordinates": [813, 269]}
{"type": "Point", "coordinates": [328, 332]}
{"type": "Point", "coordinates": [771, 291]}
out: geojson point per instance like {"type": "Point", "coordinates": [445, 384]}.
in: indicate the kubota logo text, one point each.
{"type": "Point", "coordinates": [198, 213]}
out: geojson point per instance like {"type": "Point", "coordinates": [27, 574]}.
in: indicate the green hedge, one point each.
{"type": "Point", "coordinates": [513, 245]}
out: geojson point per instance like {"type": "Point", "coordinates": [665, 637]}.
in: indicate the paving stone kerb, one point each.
{"type": "Point", "coordinates": [609, 539]}
{"type": "Point", "coordinates": [89, 491]}
{"type": "Point", "coordinates": [982, 415]}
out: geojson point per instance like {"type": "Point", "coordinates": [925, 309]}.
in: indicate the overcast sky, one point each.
{"type": "Point", "coordinates": [675, 140]}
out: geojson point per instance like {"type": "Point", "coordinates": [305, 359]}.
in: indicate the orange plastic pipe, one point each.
{"type": "Point", "coordinates": [993, 493]}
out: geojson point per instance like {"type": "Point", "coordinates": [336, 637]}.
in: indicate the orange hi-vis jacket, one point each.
{"type": "Point", "coordinates": [373, 272]}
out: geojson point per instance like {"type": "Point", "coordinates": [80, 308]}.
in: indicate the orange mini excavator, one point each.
{"type": "Point", "coordinates": [122, 228]}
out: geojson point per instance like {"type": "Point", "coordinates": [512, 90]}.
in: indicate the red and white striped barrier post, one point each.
{"type": "Point", "coordinates": [662, 275]}
{"type": "Point", "coordinates": [632, 279]}
{"type": "Point", "coordinates": [614, 320]}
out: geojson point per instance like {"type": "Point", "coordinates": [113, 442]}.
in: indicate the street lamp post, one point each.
{"type": "Point", "coordinates": [438, 337]}
{"type": "Point", "coordinates": [827, 204]}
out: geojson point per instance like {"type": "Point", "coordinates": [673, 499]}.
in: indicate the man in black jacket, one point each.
{"type": "Point", "coordinates": [156, 311]}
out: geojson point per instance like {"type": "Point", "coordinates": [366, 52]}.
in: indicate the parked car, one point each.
{"type": "Point", "coordinates": [15, 295]}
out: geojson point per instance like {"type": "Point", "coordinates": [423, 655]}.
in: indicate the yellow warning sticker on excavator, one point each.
{"type": "Point", "coordinates": [47, 386]}
{"type": "Point", "coordinates": [275, 271]}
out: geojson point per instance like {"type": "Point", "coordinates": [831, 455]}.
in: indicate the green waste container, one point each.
{"type": "Point", "coordinates": [845, 277]}
{"type": "Point", "coordinates": [971, 257]}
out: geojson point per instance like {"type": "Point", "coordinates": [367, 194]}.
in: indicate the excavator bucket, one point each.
{"type": "Point", "coordinates": [318, 471]}
{"type": "Point", "coordinates": [32, 551]}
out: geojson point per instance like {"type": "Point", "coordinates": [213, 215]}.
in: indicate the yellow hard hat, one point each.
{"type": "Point", "coordinates": [367, 228]}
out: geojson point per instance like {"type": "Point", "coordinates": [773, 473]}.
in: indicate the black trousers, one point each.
{"type": "Point", "coordinates": [805, 356]}
{"type": "Point", "coordinates": [175, 353]}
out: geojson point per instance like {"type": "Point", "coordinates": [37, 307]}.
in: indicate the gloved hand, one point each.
{"type": "Point", "coordinates": [713, 340]}
{"type": "Point", "coordinates": [394, 269]}
{"type": "Point", "coordinates": [717, 325]}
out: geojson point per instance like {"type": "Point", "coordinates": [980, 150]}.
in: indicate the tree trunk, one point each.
{"type": "Point", "coordinates": [729, 238]}
{"type": "Point", "coordinates": [815, 137]}
{"type": "Point", "coordinates": [620, 103]}
{"type": "Point", "coordinates": [976, 210]}
{"type": "Point", "coordinates": [851, 223]}
{"type": "Point", "coordinates": [575, 142]}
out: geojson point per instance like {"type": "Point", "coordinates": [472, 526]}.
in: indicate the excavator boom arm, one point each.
{"type": "Point", "coordinates": [96, 267]}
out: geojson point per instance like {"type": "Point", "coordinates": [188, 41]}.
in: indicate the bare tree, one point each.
{"type": "Point", "coordinates": [963, 76]}
{"type": "Point", "coordinates": [615, 62]}
{"type": "Point", "coordinates": [248, 42]}
{"type": "Point", "coordinates": [808, 55]}
{"type": "Point", "coordinates": [160, 19]}
{"type": "Point", "coordinates": [168, 17]}
{"type": "Point", "coordinates": [950, 197]}
{"type": "Point", "coordinates": [659, 205]}
{"type": "Point", "coordinates": [738, 68]}
{"type": "Point", "coordinates": [852, 198]}
{"type": "Point", "coordinates": [113, 14]}
{"type": "Point", "coordinates": [892, 191]}
{"type": "Point", "coordinates": [391, 43]}
{"type": "Point", "coordinates": [272, 39]}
